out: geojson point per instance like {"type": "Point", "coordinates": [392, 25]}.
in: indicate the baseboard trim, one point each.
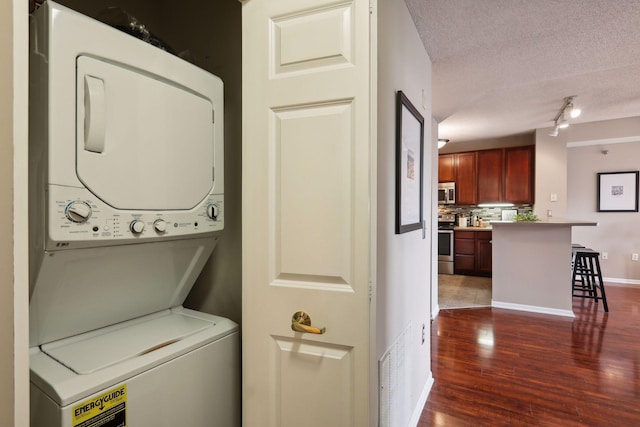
{"type": "Point", "coordinates": [435, 312]}
{"type": "Point", "coordinates": [621, 282]}
{"type": "Point", "coordinates": [532, 308]}
{"type": "Point", "coordinates": [417, 412]}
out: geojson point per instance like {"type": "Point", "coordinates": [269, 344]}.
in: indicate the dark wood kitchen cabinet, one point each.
{"type": "Point", "coordinates": [472, 252]}
{"type": "Point", "coordinates": [501, 175]}
{"type": "Point", "coordinates": [464, 250]}
{"type": "Point", "coordinates": [466, 175]}
{"type": "Point", "coordinates": [461, 169]}
{"type": "Point", "coordinates": [506, 175]}
{"type": "Point", "coordinates": [519, 175]}
{"type": "Point", "coordinates": [490, 175]}
{"type": "Point", "coordinates": [483, 253]}
{"type": "Point", "coordinates": [447, 168]}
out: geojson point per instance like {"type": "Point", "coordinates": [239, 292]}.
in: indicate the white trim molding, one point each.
{"type": "Point", "coordinates": [620, 282]}
{"type": "Point", "coordinates": [604, 141]}
{"type": "Point", "coordinates": [532, 308]}
{"type": "Point", "coordinates": [417, 412]}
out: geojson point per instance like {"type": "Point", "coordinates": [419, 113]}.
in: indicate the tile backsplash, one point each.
{"type": "Point", "coordinates": [487, 214]}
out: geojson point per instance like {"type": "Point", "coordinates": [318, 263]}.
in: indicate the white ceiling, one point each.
{"type": "Point", "coordinates": [503, 67]}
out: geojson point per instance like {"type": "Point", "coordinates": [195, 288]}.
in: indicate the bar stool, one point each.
{"type": "Point", "coordinates": [586, 278]}
{"type": "Point", "coordinates": [574, 247]}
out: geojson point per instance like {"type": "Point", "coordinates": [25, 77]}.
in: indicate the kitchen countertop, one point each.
{"type": "Point", "coordinates": [457, 228]}
{"type": "Point", "coordinates": [550, 221]}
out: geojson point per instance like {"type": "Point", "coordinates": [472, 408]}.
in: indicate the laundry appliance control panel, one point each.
{"type": "Point", "coordinates": [77, 218]}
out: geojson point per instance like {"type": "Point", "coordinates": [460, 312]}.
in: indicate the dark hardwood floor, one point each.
{"type": "Point", "coordinates": [496, 367]}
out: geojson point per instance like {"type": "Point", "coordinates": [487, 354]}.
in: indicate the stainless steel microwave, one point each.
{"type": "Point", "coordinates": [446, 193]}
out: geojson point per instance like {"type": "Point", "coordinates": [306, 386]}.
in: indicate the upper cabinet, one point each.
{"type": "Point", "coordinates": [519, 174]}
{"type": "Point", "coordinates": [506, 175]}
{"type": "Point", "coordinates": [502, 175]}
{"type": "Point", "coordinates": [490, 175]}
{"type": "Point", "coordinates": [466, 181]}
{"type": "Point", "coordinates": [461, 169]}
{"type": "Point", "coordinates": [447, 168]}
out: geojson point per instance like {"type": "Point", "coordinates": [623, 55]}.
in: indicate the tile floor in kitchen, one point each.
{"type": "Point", "coordinates": [456, 291]}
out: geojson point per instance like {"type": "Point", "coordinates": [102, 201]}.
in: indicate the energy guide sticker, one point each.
{"type": "Point", "coordinates": [106, 410]}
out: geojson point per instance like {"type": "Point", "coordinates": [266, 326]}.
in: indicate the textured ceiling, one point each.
{"type": "Point", "coordinates": [502, 67]}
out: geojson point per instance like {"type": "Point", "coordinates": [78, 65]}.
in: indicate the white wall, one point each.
{"type": "Point", "coordinates": [6, 217]}
{"type": "Point", "coordinates": [405, 260]}
{"type": "Point", "coordinates": [435, 308]}
{"type": "Point", "coordinates": [550, 175]}
{"type": "Point", "coordinates": [617, 233]}
{"type": "Point", "coordinates": [14, 362]}
{"type": "Point", "coordinates": [571, 161]}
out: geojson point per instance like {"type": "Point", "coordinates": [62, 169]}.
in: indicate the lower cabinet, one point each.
{"type": "Point", "coordinates": [483, 253]}
{"type": "Point", "coordinates": [472, 252]}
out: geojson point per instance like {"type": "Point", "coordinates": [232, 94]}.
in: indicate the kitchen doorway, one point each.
{"type": "Point", "coordinates": [459, 291]}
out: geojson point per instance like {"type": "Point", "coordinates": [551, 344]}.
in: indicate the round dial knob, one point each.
{"type": "Point", "coordinates": [213, 211]}
{"type": "Point", "coordinates": [160, 225]}
{"type": "Point", "coordinates": [78, 211]}
{"type": "Point", "coordinates": [136, 226]}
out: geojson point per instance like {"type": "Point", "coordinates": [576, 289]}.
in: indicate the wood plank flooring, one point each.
{"type": "Point", "coordinates": [495, 367]}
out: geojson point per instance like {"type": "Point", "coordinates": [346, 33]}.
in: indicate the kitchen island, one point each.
{"type": "Point", "coordinates": [532, 265]}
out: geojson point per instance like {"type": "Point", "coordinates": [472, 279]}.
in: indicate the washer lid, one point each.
{"type": "Point", "coordinates": [90, 352]}
{"type": "Point", "coordinates": [142, 142]}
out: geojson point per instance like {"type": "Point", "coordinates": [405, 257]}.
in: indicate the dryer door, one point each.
{"type": "Point", "coordinates": [142, 142]}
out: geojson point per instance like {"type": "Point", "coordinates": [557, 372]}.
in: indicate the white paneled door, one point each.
{"type": "Point", "coordinates": [308, 227]}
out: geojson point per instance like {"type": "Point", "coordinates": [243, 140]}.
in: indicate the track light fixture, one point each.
{"type": "Point", "coordinates": [567, 110]}
{"type": "Point", "coordinates": [442, 142]}
{"type": "Point", "coordinates": [563, 123]}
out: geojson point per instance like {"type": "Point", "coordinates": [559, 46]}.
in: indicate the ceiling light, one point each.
{"type": "Point", "coordinates": [442, 142]}
{"type": "Point", "coordinates": [554, 132]}
{"type": "Point", "coordinates": [573, 111]}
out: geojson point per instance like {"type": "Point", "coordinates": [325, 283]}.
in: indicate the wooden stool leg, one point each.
{"type": "Point", "coordinates": [591, 278]}
{"type": "Point", "coordinates": [601, 285]}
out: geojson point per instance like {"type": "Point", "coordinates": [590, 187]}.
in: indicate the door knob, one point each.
{"type": "Point", "coordinates": [301, 322]}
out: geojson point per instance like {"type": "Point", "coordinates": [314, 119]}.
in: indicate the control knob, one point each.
{"type": "Point", "coordinates": [136, 226]}
{"type": "Point", "coordinates": [213, 211]}
{"type": "Point", "coordinates": [78, 211]}
{"type": "Point", "coordinates": [160, 225]}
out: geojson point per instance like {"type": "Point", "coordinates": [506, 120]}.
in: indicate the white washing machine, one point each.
{"type": "Point", "coordinates": [126, 206]}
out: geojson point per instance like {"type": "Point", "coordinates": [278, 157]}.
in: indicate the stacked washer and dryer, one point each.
{"type": "Point", "coordinates": [126, 206]}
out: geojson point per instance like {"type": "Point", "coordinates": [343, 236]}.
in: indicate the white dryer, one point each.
{"type": "Point", "coordinates": [126, 206]}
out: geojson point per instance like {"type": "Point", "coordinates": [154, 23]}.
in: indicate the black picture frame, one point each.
{"type": "Point", "coordinates": [409, 165]}
{"type": "Point", "coordinates": [618, 191]}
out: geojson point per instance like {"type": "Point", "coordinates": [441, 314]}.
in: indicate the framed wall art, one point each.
{"type": "Point", "coordinates": [618, 191]}
{"type": "Point", "coordinates": [409, 165]}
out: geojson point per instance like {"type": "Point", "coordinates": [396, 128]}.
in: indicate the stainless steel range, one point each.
{"type": "Point", "coordinates": [446, 222]}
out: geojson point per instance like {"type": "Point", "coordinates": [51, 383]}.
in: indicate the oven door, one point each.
{"type": "Point", "coordinates": [445, 245]}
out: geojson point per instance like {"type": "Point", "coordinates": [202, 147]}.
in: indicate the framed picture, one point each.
{"type": "Point", "coordinates": [618, 191]}
{"type": "Point", "coordinates": [409, 168]}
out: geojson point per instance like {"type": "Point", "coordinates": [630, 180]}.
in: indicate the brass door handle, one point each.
{"type": "Point", "coordinates": [301, 322]}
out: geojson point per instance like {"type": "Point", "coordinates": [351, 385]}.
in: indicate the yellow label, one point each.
{"type": "Point", "coordinates": [105, 410]}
